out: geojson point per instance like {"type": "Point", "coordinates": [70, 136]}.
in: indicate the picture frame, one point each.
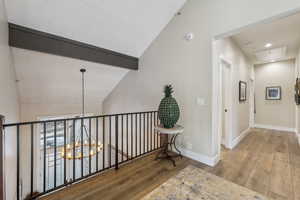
{"type": "Point", "coordinates": [242, 91]}
{"type": "Point", "coordinates": [273, 93]}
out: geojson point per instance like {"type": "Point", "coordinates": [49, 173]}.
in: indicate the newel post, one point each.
{"type": "Point", "coordinates": [2, 175]}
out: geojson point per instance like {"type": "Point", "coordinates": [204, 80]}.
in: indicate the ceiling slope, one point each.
{"type": "Point", "coordinates": [126, 27]}
{"type": "Point", "coordinates": [50, 79]}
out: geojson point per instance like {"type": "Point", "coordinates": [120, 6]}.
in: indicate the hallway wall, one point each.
{"type": "Point", "coordinates": [276, 113]}
{"type": "Point", "coordinates": [9, 104]}
{"type": "Point", "coordinates": [241, 69]}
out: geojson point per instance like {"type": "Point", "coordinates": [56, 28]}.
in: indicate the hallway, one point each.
{"type": "Point", "coordinates": [267, 162]}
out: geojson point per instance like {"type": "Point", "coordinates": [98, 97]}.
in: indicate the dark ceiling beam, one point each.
{"type": "Point", "coordinates": [26, 38]}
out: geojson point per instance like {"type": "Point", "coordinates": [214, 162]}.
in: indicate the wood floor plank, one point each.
{"type": "Point", "coordinates": [281, 178]}
{"type": "Point", "coordinates": [259, 178]}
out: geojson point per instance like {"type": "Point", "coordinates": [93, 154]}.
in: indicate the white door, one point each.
{"type": "Point", "coordinates": [225, 102]}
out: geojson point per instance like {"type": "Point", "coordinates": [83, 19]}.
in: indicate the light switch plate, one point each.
{"type": "Point", "coordinates": [200, 101]}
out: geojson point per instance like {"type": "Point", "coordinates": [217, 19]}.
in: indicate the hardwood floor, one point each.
{"type": "Point", "coordinates": [265, 161]}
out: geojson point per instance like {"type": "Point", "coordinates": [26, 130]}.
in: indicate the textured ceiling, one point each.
{"type": "Point", "coordinates": [281, 33]}
{"type": "Point", "coordinates": [127, 27]}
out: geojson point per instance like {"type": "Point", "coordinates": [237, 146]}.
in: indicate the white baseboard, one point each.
{"type": "Point", "coordinates": [278, 128]}
{"type": "Point", "coordinates": [210, 161]}
{"type": "Point", "coordinates": [238, 139]}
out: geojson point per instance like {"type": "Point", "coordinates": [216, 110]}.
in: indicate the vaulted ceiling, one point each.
{"type": "Point", "coordinates": [127, 27]}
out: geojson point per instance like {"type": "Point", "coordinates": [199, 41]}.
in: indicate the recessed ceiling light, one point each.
{"type": "Point", "coordinates": [268, 45]}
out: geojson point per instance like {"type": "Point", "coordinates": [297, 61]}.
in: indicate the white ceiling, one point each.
{"type": "Point", "coordinates": [280, 33]}
{"type": "Point", "coordinates": [124, 26]}
{"type": "Point", "coordinates": [51, 79]}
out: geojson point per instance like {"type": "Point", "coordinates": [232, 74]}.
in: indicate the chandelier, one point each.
{"type": "Point", "coordinates": [83, 148]}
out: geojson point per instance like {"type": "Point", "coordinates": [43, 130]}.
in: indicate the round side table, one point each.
{"type": "Point", "coordinates": [173, 133]}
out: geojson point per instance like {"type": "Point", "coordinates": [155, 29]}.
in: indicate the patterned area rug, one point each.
{"type": "Point", "coordinates": [193, 183]}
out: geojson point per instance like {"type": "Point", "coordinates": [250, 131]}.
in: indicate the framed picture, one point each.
{"type": "Point", "coordinates": [273, 93]}
{"type": "Point", "coordinates": [242, 91]}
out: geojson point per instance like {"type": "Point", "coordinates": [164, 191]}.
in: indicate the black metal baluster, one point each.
{"type": "Point", "coordinates": [140, 134]}
{"type": "Point", "coordinates": [32, 161]}
{"type": "Point", "coordinates": [103, 150]}
{"type": "Point", "coordinates": [117, 142]}
{"type": "Point", "coordinates": [151, 132]}
{"type": "Point", "coordinates": [97, 139]}
{"type": "Point", "coordinates": [131, 122]}
{"type": "Point", "coordinates": [65, 151]}
{"type": "Point", "coordinates": [109, 141]}
{"type": "Point", "coordinates": [154, 135]}
{"type": "Point", "coordinates": [159, 136]}
{"type": "Point", "coordinates": [82, 153]}
{"type": "Point", "coordinates": [157, 133]}
{"type": "Point", "coordinates": [122, 138]}
{"type": "Point", "coordinates": [144, 133]}
{"type": "Point", "coordinates": [44, 178]}
{"type": "Point", "coordinates": [74, 140]}
{"type": "Point", "coordinates": [54, 154]}
{"type": "Point", "coordinates": [127, 136]}
{"type": "Point", "coordinates": [148, 143]}
{"type": "Point", "coordinates": [18, 162]}
{"type": "Point", "coordinates": [136, 135]}
{"type": "Point", "coordinates": [90, 148]}
{"type": "Point", "coordinates": [154, 131]}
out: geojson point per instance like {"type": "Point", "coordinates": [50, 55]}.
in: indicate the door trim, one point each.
{"type": "Point", "coordinates": [217, 109]}
{"type": "Point", "coordinates": [228, 136]}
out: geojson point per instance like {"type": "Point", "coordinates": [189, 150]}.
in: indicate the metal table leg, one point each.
{"type": "Point", "coordinates": [164, 154]}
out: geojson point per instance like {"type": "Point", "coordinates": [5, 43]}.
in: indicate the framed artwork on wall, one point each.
{"type": "Point", "coordinates": [242, 91]}
{"type": "Point", "coordinates": [273, 93]}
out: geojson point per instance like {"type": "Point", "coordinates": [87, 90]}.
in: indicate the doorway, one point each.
{"type": "Point", "coordinates": [226, 102]}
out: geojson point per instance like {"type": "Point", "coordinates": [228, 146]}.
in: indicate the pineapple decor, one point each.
{"type": "Point", "coordinates": [168, 111]}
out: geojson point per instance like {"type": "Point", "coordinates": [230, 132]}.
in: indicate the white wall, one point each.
{"type": "Point", "coordinates": [188, 65]}
{"type": "Point", "coordinates": [241, 68]}
{"type": "Point", "coordinates": [276, 113]}
{"type": "Point", "coordinates": [8, 103]}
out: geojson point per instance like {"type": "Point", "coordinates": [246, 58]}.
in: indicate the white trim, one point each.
{"type": "Point", "coordinates": [217, 100]}
{"type": "Point", "coordinates": [278, 128]}
{"type": "Point", "coordinates": [210, 161]}
{"type": "Point", "coordinates": [229, 120]}
{"type": "Point", "coordinates": [238, 139]}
